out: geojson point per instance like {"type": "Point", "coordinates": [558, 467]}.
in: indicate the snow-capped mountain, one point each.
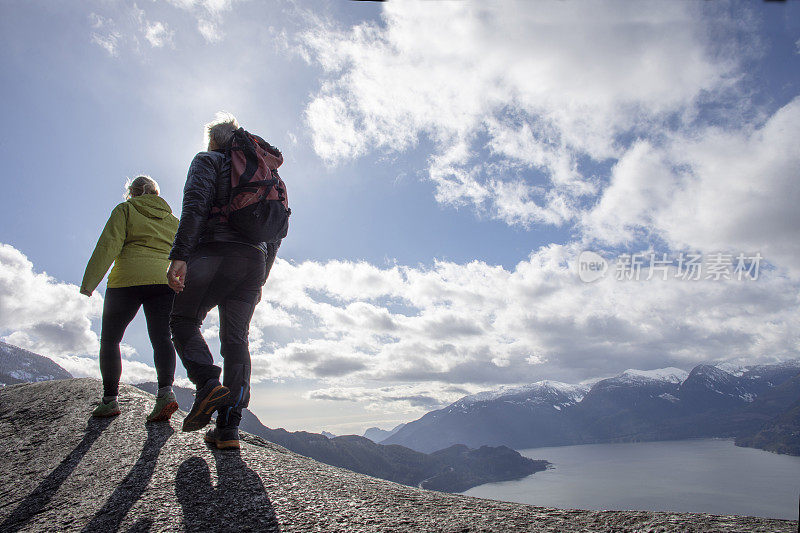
{"type": "Point", "coordinates": [553, 393]}
{"type": "Point", "coordinates": [670, 374]}
{"type": "Point", "coordinates": [20, 366]}
{"type": "Point", "coordinates": [713, 386]}
{"type": "Point", "coordinates": [654, 404]}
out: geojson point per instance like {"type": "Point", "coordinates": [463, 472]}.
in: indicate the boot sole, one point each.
{"type": "Point", "coordinates": [165, 413]}
{"type": "Point", "coordinates": [218, 397]}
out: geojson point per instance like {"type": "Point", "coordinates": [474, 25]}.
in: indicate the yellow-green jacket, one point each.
{"type": "Point", "coordinates": [137, 239]}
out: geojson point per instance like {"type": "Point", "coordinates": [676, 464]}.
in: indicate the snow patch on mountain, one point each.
{"type": "Point", "coordinates": [740, 370]}
{"type": "Point", "coordinates": [669, 374]}
{"type": "Point", "coordinates": [732, 368]}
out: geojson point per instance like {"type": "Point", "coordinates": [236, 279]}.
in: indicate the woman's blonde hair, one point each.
{"type": "Point", "coordinates": [140, 185]}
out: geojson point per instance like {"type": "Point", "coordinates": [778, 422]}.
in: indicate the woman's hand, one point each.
{"type": "Point", "coordinates": [86, 292]}
{"type": "Point", "coordinates": [176, 275]}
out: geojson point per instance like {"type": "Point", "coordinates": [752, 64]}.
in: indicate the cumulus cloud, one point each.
{"type": "Point", "coordinates": [742, 192]}
{"type": "Point", "coordinates": [589, 116]}
{"type": "Point", "coordinates": [34, 305]}
{"type": "Point", "coordinates": [718, 190]}
{"type": "Point", "coordinates": [46, 316]}
{"type": "Point", "coordinates": [476, 325]}
{"type": "Point", "coordinates": [565, 81]}
{"type": "Point", "coordinates": [407, 339]}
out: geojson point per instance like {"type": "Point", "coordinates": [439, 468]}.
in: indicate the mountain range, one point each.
{"type": "Point", "coordinates": [756, 404]}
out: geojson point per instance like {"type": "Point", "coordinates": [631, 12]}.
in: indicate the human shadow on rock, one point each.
{"type": "Point", "coordinates": [43, 493]}
{"type": "Point", "coordinates": [128, 492]}
{"type": "Point", "coordinates": [239, 502]}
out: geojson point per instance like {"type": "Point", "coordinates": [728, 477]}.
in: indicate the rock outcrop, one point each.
{"type": "Point", "coordinates": [63, 471]}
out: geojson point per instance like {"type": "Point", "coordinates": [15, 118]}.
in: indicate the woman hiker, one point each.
{"type": "Point", "coordinates": [137, 238]}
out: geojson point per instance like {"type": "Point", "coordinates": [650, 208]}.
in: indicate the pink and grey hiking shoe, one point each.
{"type": "Point", "coordinates": [165, 406]}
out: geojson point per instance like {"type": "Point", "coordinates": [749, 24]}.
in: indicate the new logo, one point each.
{"type": "Point", "coordinates": [591, 266]}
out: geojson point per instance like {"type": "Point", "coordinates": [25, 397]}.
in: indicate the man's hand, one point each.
{"type": "Point", "coordinates": [86, 292]}
{"type": "Point", "coordinates": [176, 275]}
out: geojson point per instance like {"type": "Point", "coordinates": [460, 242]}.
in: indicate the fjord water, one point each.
{"type": "Point", "coordinates": [702, 475]}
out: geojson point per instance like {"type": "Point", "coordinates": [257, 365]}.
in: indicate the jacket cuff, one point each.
{"type": "Point", "coordinates": [177, 255]}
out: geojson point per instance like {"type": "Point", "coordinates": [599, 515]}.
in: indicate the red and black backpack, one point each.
{"type": "Point", "coordinates": [258, 206]}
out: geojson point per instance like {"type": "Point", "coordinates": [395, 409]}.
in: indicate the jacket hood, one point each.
{"type": "Point", "coordinates": [151, 206]}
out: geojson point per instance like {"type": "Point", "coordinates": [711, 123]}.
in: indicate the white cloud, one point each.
{"type": "Point", "coordinates": [405, 398]}
{"type": "Point", "coordinates": [719, 189]}
{"type": "Point", "coordinates": [98, 21]}
{"type": "Point", "coordinates": [742, 192]}
{"type": "Point", "coordinates": [53, 315]}
{"type": "Point", "coordinates": [407, 339]}
{"type": "Point", "coordinates": [527, 107]}
{"type": "Point", "coordinates": [124, 27]}
{"type": "Point", "coordinates": [642, 185]}
{"type": "Point", "coordinates": [209, 30]}
{"type": "Point", "coordinates": [209, 15]}
{"type": "Point", "coordinates": [108, 42]}
{"type": "Point", "coordinates": [373, 334]}
{"type": "Point", "coordinates": [41, 314]}
{"type": "Point", "coordinates": [539, 85]}
{"type": "Point", "coordinates": [212, 6]}
{"type": "Point", "coordinates": [158, 34]}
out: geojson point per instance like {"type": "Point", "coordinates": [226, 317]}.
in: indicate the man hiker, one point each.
{"type": "Point", "coordinates": [214, 264]}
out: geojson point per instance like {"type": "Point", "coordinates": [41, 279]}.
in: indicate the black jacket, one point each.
{"type": "Point", "coordinates": [208, 184]}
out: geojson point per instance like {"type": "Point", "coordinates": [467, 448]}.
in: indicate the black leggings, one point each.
{"type": "Point", "coordinates": [120, 306]}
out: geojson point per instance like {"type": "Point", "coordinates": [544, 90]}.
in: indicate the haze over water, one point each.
{"type": "Point", "coordinates": [704, 475]}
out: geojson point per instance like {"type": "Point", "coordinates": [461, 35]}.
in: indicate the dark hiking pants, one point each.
{"type": "Point", "coordinates": [119, 307]}
{"type": "Point", "coordinates": [228, 276]}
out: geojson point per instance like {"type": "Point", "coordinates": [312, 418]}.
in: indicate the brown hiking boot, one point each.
{"type": "Point", "coordinates": [223, 438]}
{"type": "Point", "coordinates": [207, 400]}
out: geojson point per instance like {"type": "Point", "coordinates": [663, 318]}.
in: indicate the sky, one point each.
{"type": "Point", "coordinates": [447, 164]}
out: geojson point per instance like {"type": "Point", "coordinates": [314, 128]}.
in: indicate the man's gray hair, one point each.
{"type": "Point", "coordinates": [220, 130]}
